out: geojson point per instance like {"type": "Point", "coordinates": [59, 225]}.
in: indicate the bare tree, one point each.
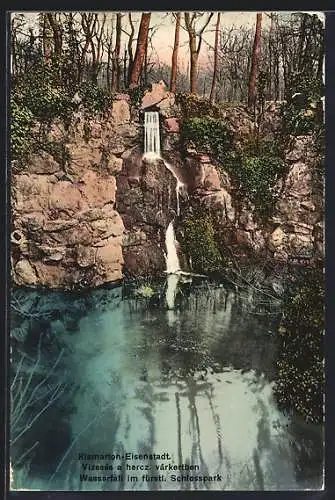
{"type": "Point", "coordinates": [142, 41]}
{"type": "Point", "coordinates": [216, 46]}
{"type": "Point", "coordinates": [256, 53]}
{"type": "Point", "coordinates": [118, 50]}
{"type": "Point", "coordinates": [88, 22]}
{"type": "Point", "coordinates": [57, 33]}
{"type": "Point", "coordinates": [175, 54]}
{"type": "Point", "coordinates": [195, 41]}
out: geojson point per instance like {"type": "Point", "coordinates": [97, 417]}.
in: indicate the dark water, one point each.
{"type": "Point", "coordinates": [103, 374]}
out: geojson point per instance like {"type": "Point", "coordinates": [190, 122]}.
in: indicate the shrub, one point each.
{"type": "Point", "coordinates": [199, 243]}
{"type": "Point", "coordinates": [303, 114]}
{"type": "Point", "coordinates": [38, 97]}
{"type": "Point", "coordinates": [21, 124]}
{"type": "Point", "coordinates": [145, 291]}
{"type": "Point", "coordinates": [193, 106]}
{"type": "Point", "coordinates": [40, 92]}
{"type": "Point", "coordinates": [94, 99]}
{"type": "Point", "coordinates": [256, 177]}
{"type": "Point", "coordinates": [300, 366]}
{"type": "Point", "coordinates": [209, 135]}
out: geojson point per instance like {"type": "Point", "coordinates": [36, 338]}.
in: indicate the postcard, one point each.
{"type": "Point", "coordinates": [167, 251]}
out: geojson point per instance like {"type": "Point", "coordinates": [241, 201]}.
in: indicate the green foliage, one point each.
{"type": "Point", "coordinates": [303, 113]}
{"type": "Point", "coordinates": [39, 97]}
{"type": "Point", "coordinates": [209, 135]}
{"type": "Point", "coordinates": [94, 99]}
{"type": "Point", "coordinates": [310, 87]}
{"type": "Point", "coordinates": [305, 302]}
{"type": "Point", "coordinates": [300, 367]}
{"type": "Point", "coordinates": [21, 124]}
{"type": "Point", "coordinates": [145, 291]}
{"type": "Point", "coordinates": [137, 93]}
{"type": "Point", "coordinates": [254, 167]}
{"type": "Point", "coordinates": [199, 243]}
{"type": "Point", "coordinates": [193, 106]}
{"type": "Point", "coordinates": [39, 91]}
{"type": "Point", "coordinates": [256, 174]}
{"type": "Point", "coordinates": [299, 121]}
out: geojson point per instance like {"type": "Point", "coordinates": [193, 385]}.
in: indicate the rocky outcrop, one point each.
{"type": "Point", "coordinates": [94, 211]}
{"type": "Point", "coordinates": [299, 213]}
{"type": "Point", "coordinates": [161, 99]}
{"type": "Point", "coordinates": [295, 232]}
{"type": "Point", "coordinates": [146, 201]}
{"type": "Point", "coordinates": [66, 232]}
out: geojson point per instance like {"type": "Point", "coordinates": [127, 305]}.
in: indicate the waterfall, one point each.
{"type": "Point", "coordinates": [172, 261]}
{"type": "Point", "coordinates": [172, 267]}
{"type": "Point", "coordinates": [179, 185]}
{"type": "Point", "coordinates": [171, 291]}
{"type": "Point", "coordinates": [151, 133]}
{"type": "Point", "coordinates": [152, 152]}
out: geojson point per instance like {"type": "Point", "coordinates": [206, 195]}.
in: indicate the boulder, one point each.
{"type": "Point", "coordinates": [276, 239]}
{"type": "Point", "coordinates": [30, 193]}
{"type": "Point", "coordinates": [65, 196]}
{"type": "Point", "coordinates": [121, 112]}
{"type": "Point", "coordinates": [211, 178]}
{"type": "Point", "coordinates": [43, 163]}
{"type": "Point", "coordinates": [172, 125]}
{"type": "Point", "coordinates": [85, 256]}
{"type": "Point", "coordinates": [114, 164]}
{"type": "Point", "coordinates": [154, 96]}
{"type": "Point", "coordinates": [25, 273]}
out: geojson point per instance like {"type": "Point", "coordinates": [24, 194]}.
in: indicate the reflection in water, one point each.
{"type": "Point", "coordinates": [198, 386]}
{"type": "Point", "coordinates": [171, 290]}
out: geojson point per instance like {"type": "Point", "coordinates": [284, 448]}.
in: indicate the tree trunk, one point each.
{"type": "Point", "coordinates": [57, 34]}
{"type": "Point", "coordinates": [193, 69]}
{"type": "Point", "coordinates": [125, 58]}
{"type": "Point", "coordinates": [130, 47]}
{"type": "Point", "coordinates": [118, 50]}
{"type": "Point", "coordinates": [175, 54]}
{"type": "Point", "coordinates": [194, 48]}
{"type": "Point", "coordinates": [256, 52]}
{"type": "Point", "coordinates": [140, 49]}
{"type": "Point", "coordinates": [216, 48]}
{"type": "Point", "coordinates": [192, 40]}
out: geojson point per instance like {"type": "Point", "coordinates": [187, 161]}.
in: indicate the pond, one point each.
{"type": "Point", "coordinates": [113, 391]}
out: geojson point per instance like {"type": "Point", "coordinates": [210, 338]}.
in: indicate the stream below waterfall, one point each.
{"type": "Point", "coordinates": [108, 373]}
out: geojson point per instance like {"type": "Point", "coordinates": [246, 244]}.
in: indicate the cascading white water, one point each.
{"type": "Point", "coordinates": [179, 185]}
{"type": "Point", "coordinates": [172, 261]}
{"type": "Point", "coordinates": [171, 292]}
{"type": "Point", "coordinates": [151, 133]}
{"type": "Point", "coordinates": [172, 267]}
{"type": "Point", "coordinates": [152, 152]}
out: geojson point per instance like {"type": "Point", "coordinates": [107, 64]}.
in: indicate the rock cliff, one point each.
{"type": "Point", "coordinates": [97, 212]}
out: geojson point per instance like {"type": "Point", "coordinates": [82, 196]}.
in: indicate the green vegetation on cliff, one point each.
{"type": "Point", "coordinates": [256, 171]}
{"type": "Point", "coordinates": [300, 366]}
{"type": "Point", "coordinates": [209, 135]}
{"type": "Point", "coordinates": [199, 244]}
{"type": "Point", "coordinates": [39, 97]}
{"type": "Point", "coordinates": [255, 167]}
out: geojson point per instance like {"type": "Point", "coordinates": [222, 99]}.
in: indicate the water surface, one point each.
{"type": "Point", "coordinates": [194, 383]}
